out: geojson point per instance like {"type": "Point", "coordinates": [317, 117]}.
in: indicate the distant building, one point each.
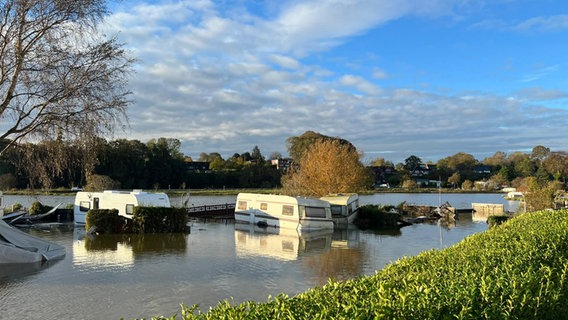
{"type": "Point", "coordinates": [282, 164]}
{"type": "Point", "coordinates": [197, 166]}
{"type": "Point", "coordinates": [482, 169]}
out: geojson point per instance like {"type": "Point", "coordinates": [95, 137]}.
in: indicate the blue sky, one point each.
{"type": "Point", "coordinates": [429, 78]}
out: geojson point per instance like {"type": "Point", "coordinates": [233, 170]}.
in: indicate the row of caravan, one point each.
{"type": "Point", "coordinates": [269, 210]}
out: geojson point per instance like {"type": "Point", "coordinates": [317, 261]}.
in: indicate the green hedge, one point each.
{"type": "Point", "coordinates": [159, 220]}
{"type": "Point", "coordinates": [516, 270]}
{"type": "Point", "coordinates": [372, 216]}
{"type": "Point", "coordinates": [107, 221]}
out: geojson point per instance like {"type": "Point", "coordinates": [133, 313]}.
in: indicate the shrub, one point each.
{"type": "Point", "coordinates": [38, 208]}
{"type": "Point", "coordinates": [106, 221]}
{"type": "Point", "coordinates": [159, 219]}
{"type": "Point", "coordinates": [372, 216]}
{"type": "Point", "coordinates": [516, 271]}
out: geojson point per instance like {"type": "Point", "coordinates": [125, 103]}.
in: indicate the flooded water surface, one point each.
{"type": "Point", "coordinates": [129, 276]}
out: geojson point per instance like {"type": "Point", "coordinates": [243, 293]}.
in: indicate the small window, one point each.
{"type": "Point", "coordinates": [336, 210]}
{"type": "Point", "coordinates": [242, 205]}
{"type": "Point", "coordinates": [129, 209]}
{"type": "Point", "coordinates": [315, 212]}
{"type": "Point", "coordinates": [287, 210]}
{"type": "Point", "coordinates": [264, 206]}
{"type": "Point", "coordinates": [95, 203]}
{"type": "Point", "coordinates": [84, 206]}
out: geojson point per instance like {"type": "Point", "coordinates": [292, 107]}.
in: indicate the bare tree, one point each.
{"type": "Point", "coordinates": [58, 74]}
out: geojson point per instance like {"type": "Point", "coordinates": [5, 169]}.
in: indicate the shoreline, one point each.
{"type": "Point", "coordinates": [230, 192]}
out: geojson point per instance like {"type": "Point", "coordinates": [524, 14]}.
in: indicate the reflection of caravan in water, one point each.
{"type": "Point", "coordinates": [344, 207]}
{"type": "Point", "coordinates": [280, 243]}
{"type": "Point", "coordinates": [123, 201]}
{"type": "Point", "coordinates": [283, 211]}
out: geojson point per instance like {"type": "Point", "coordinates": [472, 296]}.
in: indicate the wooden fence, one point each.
{"type": "Point", "coordinates": [221, 211]}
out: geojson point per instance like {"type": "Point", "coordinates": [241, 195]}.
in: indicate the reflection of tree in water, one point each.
{"type": "Point", "coordinates": [156, 242]}
{"type": "Point", "coordinates": [392, 232]}
{"type": "Point", "coordinates": [159, 242]}
{"type": "Point", "coordinates": [339, 263]}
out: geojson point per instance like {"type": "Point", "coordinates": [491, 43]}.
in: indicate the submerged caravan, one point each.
{"type": "Point", "coordinates": [123, 201]}
{"type": "Point", "coordinates": [300, 213]}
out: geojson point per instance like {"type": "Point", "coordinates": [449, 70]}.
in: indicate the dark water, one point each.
{"type": "Point", "coordinates": [147, 275]}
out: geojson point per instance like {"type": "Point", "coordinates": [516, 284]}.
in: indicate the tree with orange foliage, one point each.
{"type": "Point", "coordinates": [327, 167]}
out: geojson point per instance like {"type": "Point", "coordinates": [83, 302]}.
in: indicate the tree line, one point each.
{"type": "Point", "coordinates": [129, 164]}
{"type": "Point", "coordinates": [159, 164]}
{"type": "Point", "coordinates": [462, 170]}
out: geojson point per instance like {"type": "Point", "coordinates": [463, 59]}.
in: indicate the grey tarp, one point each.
{"type": "Point", "coordinates": [19, 247]}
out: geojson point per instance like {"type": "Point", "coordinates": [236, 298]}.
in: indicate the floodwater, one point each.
{"type": "Point", "coordinates": [135, 276]}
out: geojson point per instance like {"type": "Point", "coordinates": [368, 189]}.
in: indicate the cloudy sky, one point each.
{"type": "Point", "coordinates": [429, 78]}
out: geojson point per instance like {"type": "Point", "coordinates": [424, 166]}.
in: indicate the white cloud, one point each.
{"type": "Point", "coordinates": [551, 23]}
{"type": "Point", "coordinates": [225, 83]}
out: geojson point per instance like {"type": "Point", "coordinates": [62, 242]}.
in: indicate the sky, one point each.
{"type": "Point", "coordinates": [429, 78]}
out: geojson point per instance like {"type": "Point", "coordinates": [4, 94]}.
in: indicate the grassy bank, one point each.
{"type": "Point", "coordinates": [516, 270]}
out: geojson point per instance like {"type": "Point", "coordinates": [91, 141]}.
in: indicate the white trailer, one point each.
{"type": "Point", "coordinates": [123, 201]}
{"type": "Point", "coordinates": [298, 213]}
{"type": "Point", "coordinates": [344, 207]}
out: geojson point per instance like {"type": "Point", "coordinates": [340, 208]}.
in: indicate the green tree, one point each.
{"type": "Point", "coordinates": [455, 179]}
{"type": "Point", "coordinates": [381, 162]}
{"type": "Point", "coordinates": [557, 165]}
{"type": "Point", "coordinates": [165, 162]}
{"type": "Point", "coordinates": [497, 160]}
{"type": "Point", "coordinates": [539, 154]}
{"type": "Point", "coordinates": [540, 194]}
{"type": "Point", "coordinates": [257, 155]}
{"type": "Point", "coordinates": [59, 75]}
{"type": "Point", "coordinates": [467, 185]}
{"type": "Point", "coordinates": [412, 163]}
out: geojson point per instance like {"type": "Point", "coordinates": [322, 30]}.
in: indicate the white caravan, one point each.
{"type": "Point", "coordinates": [344, 207]}
{"type": "Point", "coordinates": [123, 201]}
{"type": "Point", "coordinates": [297, 213]}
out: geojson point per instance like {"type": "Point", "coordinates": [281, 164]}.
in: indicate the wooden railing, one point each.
{"type": "Point", "coordinates": [213, 211]}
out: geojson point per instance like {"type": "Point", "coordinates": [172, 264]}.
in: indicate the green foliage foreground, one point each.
{"type": "Point", "coordinates": [513, 271]}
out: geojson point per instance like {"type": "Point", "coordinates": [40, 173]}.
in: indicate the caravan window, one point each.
{"type": "Point", "coordinates": [242, 205]}
{"type": "Point", "coordinates": [95, 203]}
{"type": "Point", "coordinates": [263, 206]}
{"type": "Point", "coordinates": [84, 206]}
{"type": "Point", "coordinates": [288, 210]}
{"type": "Point", "coordinates": [336, 210]}
{"type": "Point", "coordinates": [129, 209]}
{"type": "Point", "coordinates": [315, 212]}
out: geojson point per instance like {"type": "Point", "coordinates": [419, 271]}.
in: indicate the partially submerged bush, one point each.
{"type": "Point", "coordinates": [38, 208]}
{"type": "Point", "coordinates": [372, 216]}
{"type": "Point", "coordinates": [106, 221]}
{"type": "Point", "coordinates": [159, 219]}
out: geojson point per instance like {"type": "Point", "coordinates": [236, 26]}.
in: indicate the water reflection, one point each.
{"type": "Point", "coordinates": [119, 251]}
{"type": "Point", "coordinates": [19, 270]}
{"type": "Point", "coordinates": [325, 254]}
{"type": "Point", "coordinates": [279, 243]}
